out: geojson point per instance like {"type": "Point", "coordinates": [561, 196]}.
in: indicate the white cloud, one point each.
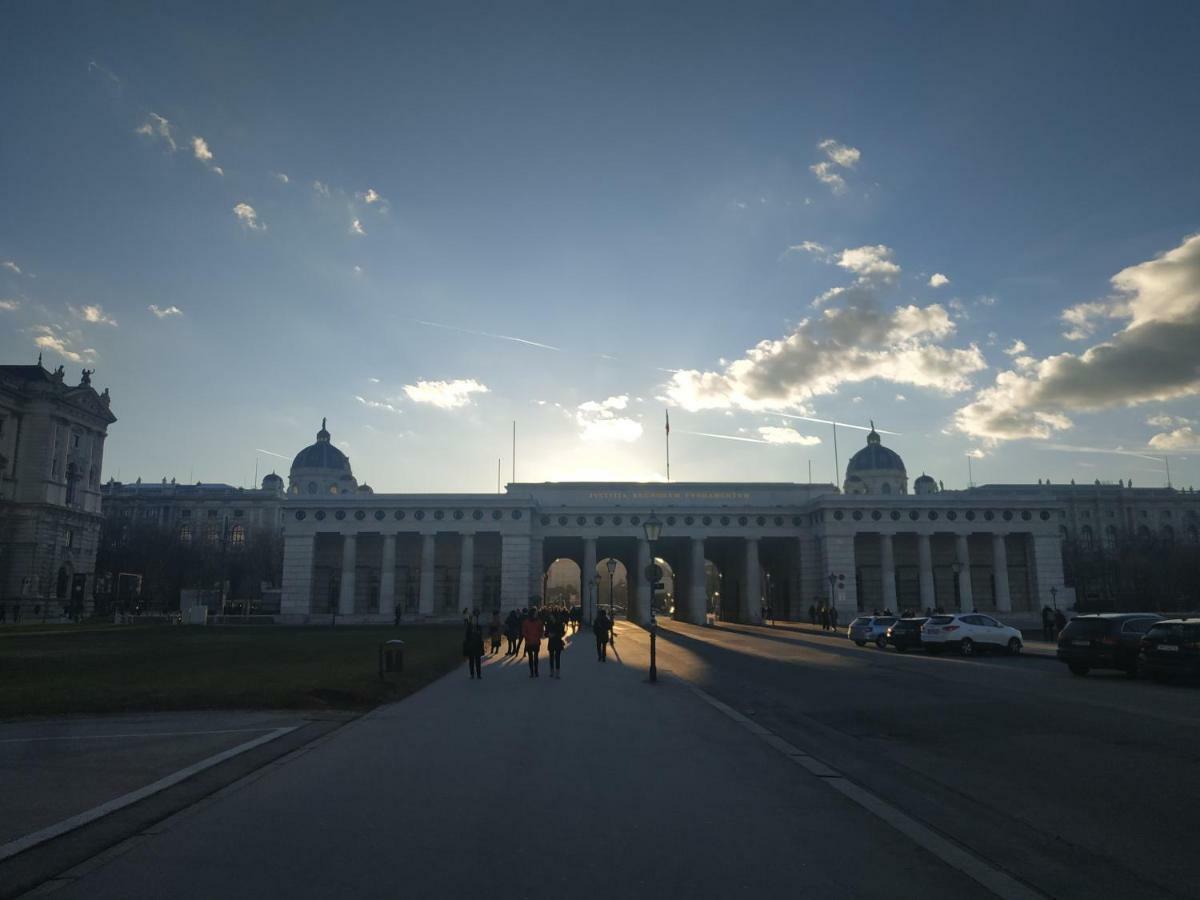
{"type": "Point", "coordinates": [92, 313]}
{"type": "Point", "coordinates": [846, 157]}
{"type": "Point", "coordinates": [598, 421]}
{"type": "Point", "coordinates": [1082, 319]}
{"type": "Point", "coordinates": [900, 398]}
{"type": "Point", "coordinates": [373, 380]}
{"type": "Point", "coordinates": [158, 128]}
{"type": "Point", "coordinates": [11, 266]}
{"type": "Point", "coordinates": [445, 394]}
{"type": "Point", "coordinates": [248, 217]}
{"type": "Point", "coordinates": [976, 453]}
{"type": "Point", "coordinates": [378, 404]}
{"type": "Point", "coordinates": [200, 148]}
{"type": "Point", "coordinates": [1016, 348]}
{"type": "Point", "coordinates": [356, 227]}
{"type": "Point", "coordinates": [777, 434]}
{"type": "Point", "coordinates": [870, 262]}
{"type": "Point", "coordinates": [65, 345]}
{"type": "Point", "coordinates": [1153, 358]}
{"type": "Point", "coordinates": [281, 177]}
{"type": "Point", "coordinates": [835, 155]}
{"type": "Point", "coordinates": [937, 279]}
{"type": "Point", "coordinates": [320, 188]}
{"type": "Point", "coordinates": [807, 247]}
{"type": "Point", "coordinates": [1180, 439]}
{"type": "Point", "coordinates": [9, 305]}
{"type": "Point", "coordinates": [164, 312]}
{"type": "Point", "coordinates": [1164, 421]}
{"type": "Point", "coordinates": [372, 197]}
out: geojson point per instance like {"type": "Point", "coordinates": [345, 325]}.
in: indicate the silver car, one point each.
{"type": "Point", "coordinates": [871, 629]}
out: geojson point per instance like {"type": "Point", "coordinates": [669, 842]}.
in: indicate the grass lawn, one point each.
{"type": "Point", "coordinates": [208, 667]}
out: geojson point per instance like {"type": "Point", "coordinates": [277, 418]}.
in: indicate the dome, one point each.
{"type": "Point", "coordinates": [925, 485]}
{"type": "Point", "coordinates": [321, 455]}
{"type": "Point", "coordinates": [272, 482]}
{"type": "Point", "coordinates": [875, 457]}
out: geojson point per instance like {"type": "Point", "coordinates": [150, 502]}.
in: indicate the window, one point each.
{"type": "Point", "coordinates": [886, 488]}
{"type": "Point", "coordinates": [212, 513]}
{"type": "Point", "coordinates": [1086, 538]}
{"type": "Point", "coordinates": [312, 487]}
{"type": "Point", "coordinates": [1138, 626]}
{"type": "Point", "coordinates": [68, 537]}
{"type": "Point", "coordinates": [187, 513]}
{"type": "Point", "coordinates": [72, 477]}
{"type": "Point", "coordinates": [211, 534]}
{"type": "Point", "coordinates": [76, 441]}
{"type": "Point", "coordinates": [1110, 538]}
{"type": "Point", "coordinates": [238, 536]}
{"type": "Point", "coordinates": [185, 532]}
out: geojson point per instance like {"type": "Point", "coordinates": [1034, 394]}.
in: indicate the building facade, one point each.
{"type": "Point", "coordinates": [51, 456]}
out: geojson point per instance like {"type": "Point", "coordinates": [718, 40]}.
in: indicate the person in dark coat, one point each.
{"type": "Point", "coordinates": [824, 618]}
{"type": "Point", "coordinates": [1047, 624]}
{"type": "Point", "coordinates": [494, 629]}
{"type": "Point", "coordinates": [833, 618]}
{"type": "Point", "coordinates": [602, 626]}
{"type": "Point", "coordinates": [812, 613]}
{"type": "Point", "coordinates": [555, 633]}
{"type": "Point", "coordinates": [473, 649]}
{"type": "Point", "coordinates": [1060, 622]}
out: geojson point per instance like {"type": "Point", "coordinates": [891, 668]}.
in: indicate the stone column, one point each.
{"type": "Point", "coordinates": [1046, 563]}
{"type": "Point", "coordinates": [697, 600]}
{"type": "Point", "coordinates": [642, 589]}
{"type": "Point", "coordinates": [428, 551]}
{"type": "Point", "coordinates": [387, 577]}
{"type": "Point", "coordinates": [349, 570]}
{"type": "Point", "coordinates": [966, 600]}
{"type": "Point", "coordinates": [466, 572]}
{"type": "Point", "coordinates": [514, 571]}
{"type": "Point", "coordinates": [1000, 572]}
{"type": "Point", "coordinates": [838, 550]}
{"type": "Point", "coordinates": [297, 583]}
{"type": "Point", "coordinates": [537, 567]}
{"type": "Point", "coordinates": [925, 573]}
{"type": "Point", "coordinates": [887, 568]}
{"type": "Point", "coordinates": [752, 585]}
{"type": "Point", "coordinates": [587, 578]}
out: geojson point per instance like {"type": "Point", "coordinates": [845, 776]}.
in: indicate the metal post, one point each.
{"type": "Point", "coordinates": [653, 621]}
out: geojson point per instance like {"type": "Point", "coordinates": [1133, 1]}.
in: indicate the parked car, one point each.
{"type": "Point", "coordinates": [1104, 641]}
{"type": "Point", "coordinates": [905, 634]}
{"type": "Point", "coordinates": [1172, 647]}
{"type": "Point", "coordinates": [970, 633]}
{"type": "Point", "coordinates": [870, 629]}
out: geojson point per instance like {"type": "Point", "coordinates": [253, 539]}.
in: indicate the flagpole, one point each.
{"type": "Point", "coordinates": [836, 465]}
{"type": "Point", "coordinates": [668, 446]}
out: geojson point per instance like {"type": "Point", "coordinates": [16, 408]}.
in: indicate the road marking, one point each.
{"type": "Point", "coordinates": [146, 734]}
{"type": "Point", "coordinates": [12, 848]}
{"type": "Point", "coordinates": [979, 870]}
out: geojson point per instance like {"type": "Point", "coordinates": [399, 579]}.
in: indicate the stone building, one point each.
{"type": "Point", "coordinates": [51, 456]}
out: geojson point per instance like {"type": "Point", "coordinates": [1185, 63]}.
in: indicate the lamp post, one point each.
{"type": "Point", "coordinates": [956, 568]}
{"type": "Point", "coordinates": [653, 528]}
{"type": "Point", "coordinates": [1054, 598]}
{"type": "Point", "coordinates": [832, 587]}
{"type": "Point", "coordinates": [611, 565]}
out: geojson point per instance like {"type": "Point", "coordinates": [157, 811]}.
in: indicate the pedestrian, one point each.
{"type": "Point", "coordinates": [473, 649]}
{"type": "Point", "coordinates": [812, 613]}
{"type": "Point", "coordinates": [494, 628]}
{"type": "Point", "coordinates": [521, 620]}
{"type": "Point", "coordinates": [555, 633]}
{"type": "Point", "coordinates": [1060, 622]}
{"type": "Point", "coordinates": [824, 617]}
{"type": "Point", "coordinates": [396, 615]}
{"type": "Point", "coordinates": [833, 618]}
{"type": "Point", "coordinates": [602, 626]}
{"type": "Point", "coordinates": [531, 632]}
{"type": "Point", "coordinates": [1047, 624]}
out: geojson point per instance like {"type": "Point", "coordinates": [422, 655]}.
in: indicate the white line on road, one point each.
{"type": "Point", "coordinates": [145, 734]}
{"type": "Point", "coordinates": [12, 848]}
{"type": "Point", "coordinates": [984, 873]}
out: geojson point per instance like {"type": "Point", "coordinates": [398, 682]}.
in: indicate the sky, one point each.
{"type": "Point", "coordinates": [973, 224]}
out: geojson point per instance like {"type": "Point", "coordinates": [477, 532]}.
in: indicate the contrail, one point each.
{"type": "Point", "coordinates": [270, 453]}
{"type": "Point", "coordinates": [727, 437]}
{"type": "Point", "coordinates": [830, 422]}
{"type": "Point", "coordinates": [500, 337]}
{"type": "Point", "coordinates": [1071, 448]}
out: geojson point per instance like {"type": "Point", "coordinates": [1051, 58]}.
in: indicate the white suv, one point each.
{"type": "Point", "coordinates": [970, 632]}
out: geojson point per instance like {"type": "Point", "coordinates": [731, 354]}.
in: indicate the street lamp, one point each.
{"type": "Point", "coordinates": [653, 529]}
{"type": "Point", "coordinates": [611, 565]}
{"type": "Point", "coordinates": [956, 568]}
{"type": "Point", "coordinates": [1054, 598]}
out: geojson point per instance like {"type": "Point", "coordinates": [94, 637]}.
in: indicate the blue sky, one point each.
{"type": "Point", "coordinates": [648, 193]}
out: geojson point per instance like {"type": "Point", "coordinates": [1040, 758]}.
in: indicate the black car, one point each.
{"type": "Point", "coordinates": [1172, 647]}
{"type": "Point", "coordinates": [1104, 641]}
{"type": "Point", "coordinates": [906, 634]}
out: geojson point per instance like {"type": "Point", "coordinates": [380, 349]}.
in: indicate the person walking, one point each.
{"type": "Point", "coordinates": [1060, 622]}
{"type": "Point", "coordinates": [473, 649]}
{"type": "Point", "coordinates": [494, 628]}
{"type": "Point", "coordinates": [824, 617]}
{"type": "Point", "coordinates": [555, 634]}
{"type": "Point", "coordinates": [532, 632]}
{"type": "Point", "coordinates": [833, 622]}
{"type": "Point", "coordinates": [602, 627]}
{"type": "Point", "coordinates": [812, 613]}
{"type": "Point", "coordinates": [1047, 624]}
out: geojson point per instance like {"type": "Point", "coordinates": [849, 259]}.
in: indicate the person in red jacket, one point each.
{"type": "Point", "coordinates": [532, 631]}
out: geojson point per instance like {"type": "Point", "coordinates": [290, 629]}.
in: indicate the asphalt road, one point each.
{"type": "Point", "coordinates": [1082, 787]}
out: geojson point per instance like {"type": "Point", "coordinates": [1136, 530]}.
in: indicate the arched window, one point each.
{"type": "Point", "coordinates": [1110, 538]}
{"type": "Point", "coordinates": [886, 488]}
{"type": "Point", "coordinates": [185, 533]}
{"type": "Point", "coordinates": [1167, 533]}
{"type": "Point", "coordinates": [1086, 539]}
{"type": "Point", "coordinates": [211, 533]}
{"type": "Point", "coordinates": [238, 536]}
{"type": "Point", "coordinates": [1145, 538]}
{"type": "Point", "coordinates": [60, 589]}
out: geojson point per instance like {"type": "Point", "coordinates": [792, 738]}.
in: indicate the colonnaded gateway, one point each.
{"type": "Point", "coordinates": [360, 555]}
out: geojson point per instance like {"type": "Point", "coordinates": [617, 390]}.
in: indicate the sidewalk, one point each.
{"type": "Point", "coordinates": [595, 785]}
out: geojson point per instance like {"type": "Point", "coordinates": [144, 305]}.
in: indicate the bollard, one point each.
{"type": "Point", "coordinates": [391, 659]}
